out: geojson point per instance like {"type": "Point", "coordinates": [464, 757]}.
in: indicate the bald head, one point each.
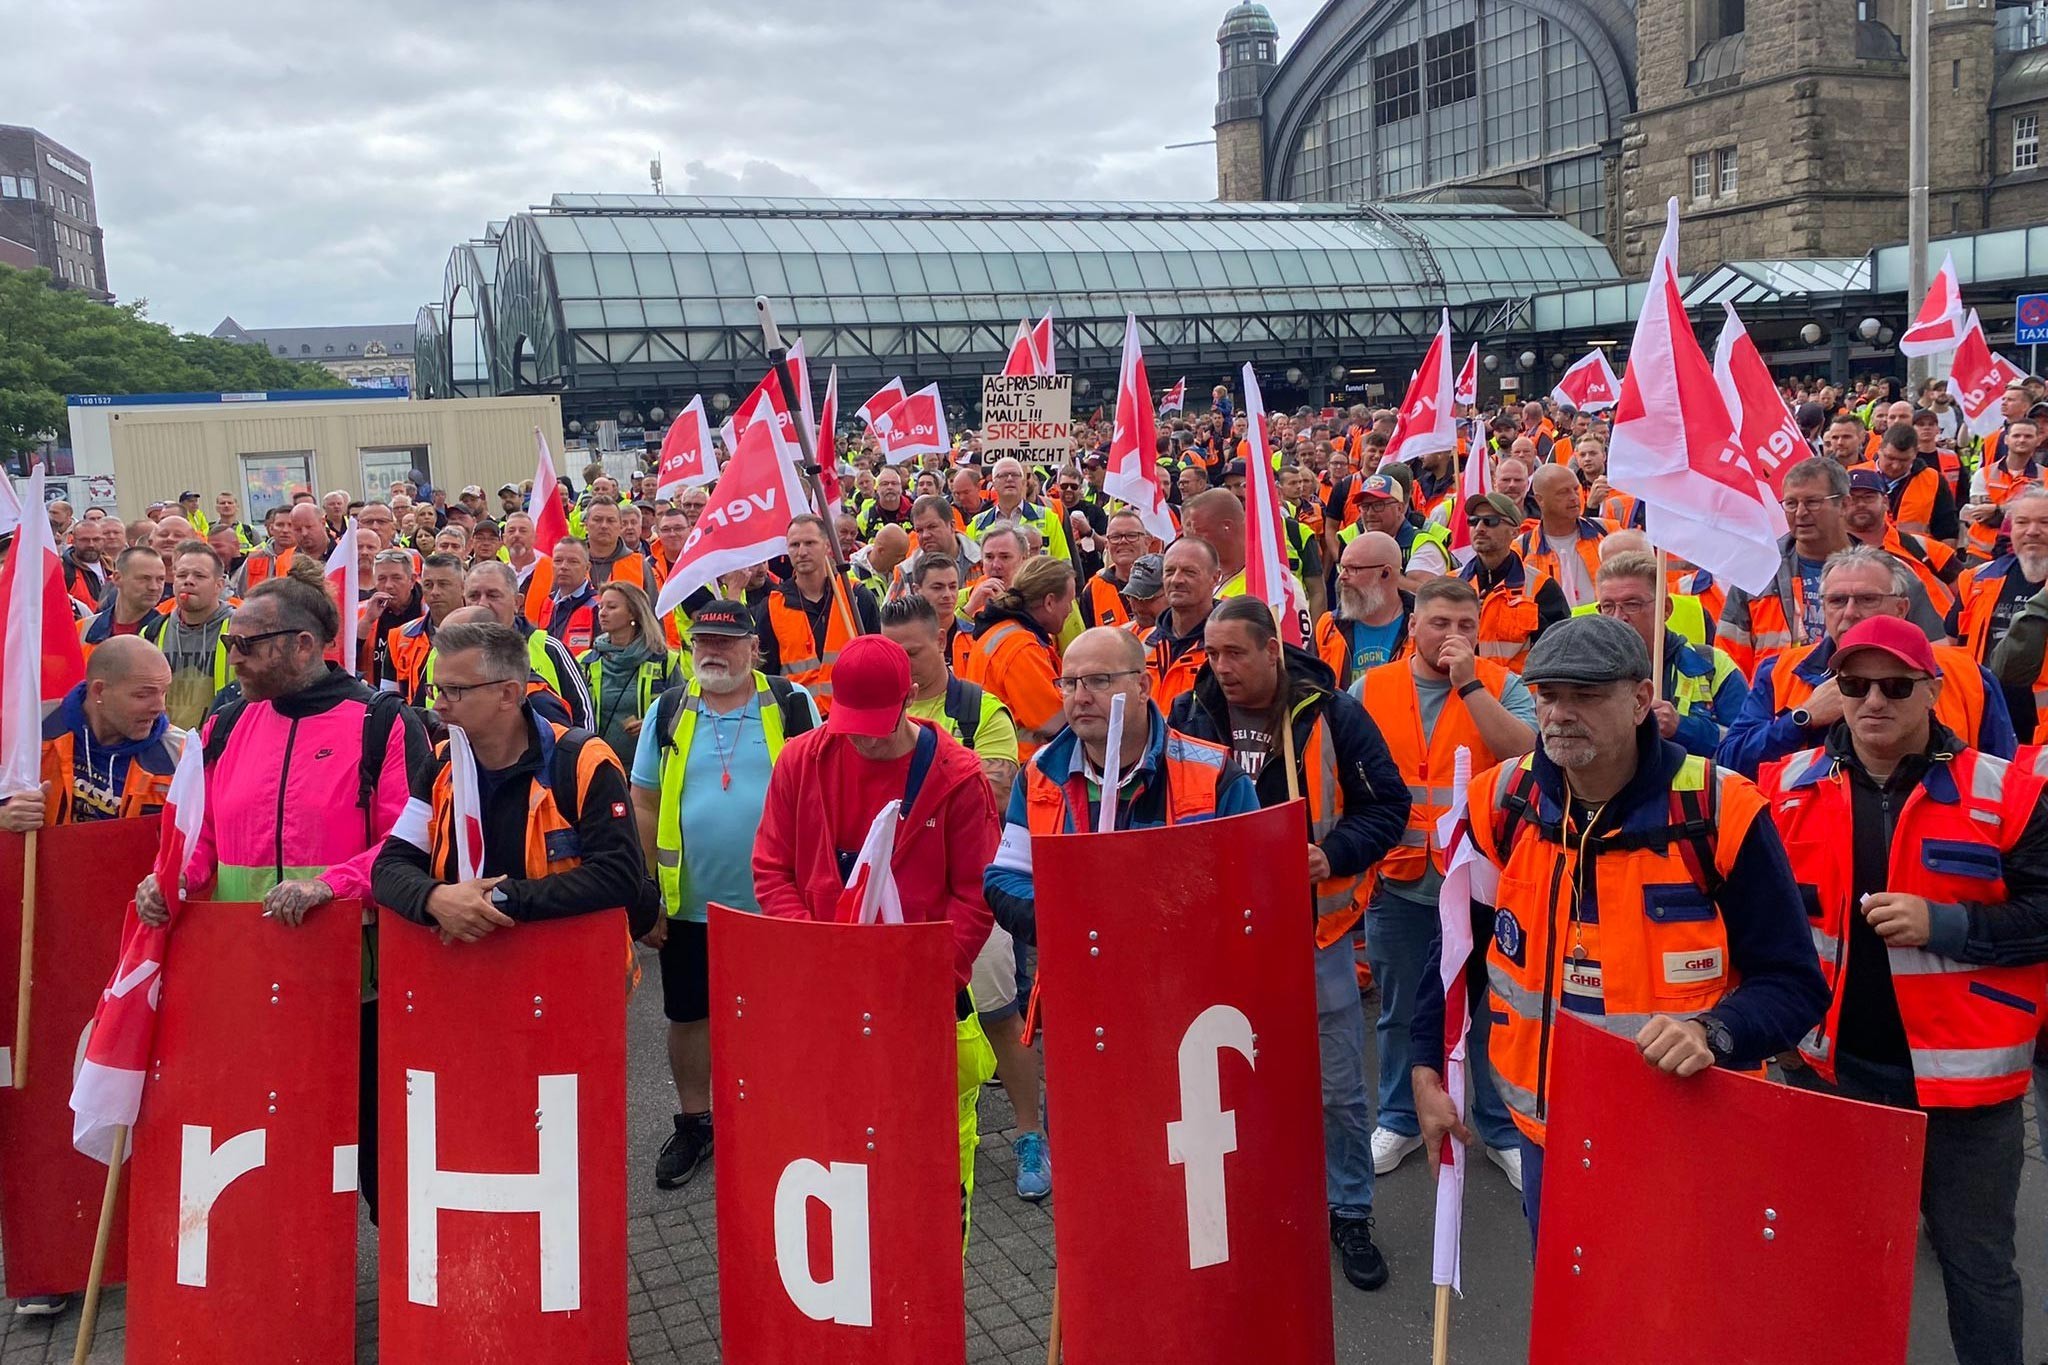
{"type": "Point", "coordinates": [122, 658]}
{"type": "Point", "coordinates": [1623, 542]}
{"type": "Point", "coordinates": [471, 616]}
{"type": "Point", "coordinates": [1372, 548]}
{"type": "Point", "coordinates": [1552, 477]}
{"type": "Point", "coordinates": [1103, 649]}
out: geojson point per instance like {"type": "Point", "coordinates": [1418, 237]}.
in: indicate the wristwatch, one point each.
{"type": "Point", "coordinates": [1802, 717]}
{"type": "Point", "coordinates": [1720, 1041]}
{"type": "Point", "coordinates": [1469, 688]}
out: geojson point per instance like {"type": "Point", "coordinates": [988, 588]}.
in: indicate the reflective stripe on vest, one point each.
{"type": "Point", "coordinates": [802, 661]}
{"type": "Point", "coordinates": [668, 827]}
{"type": "Point", "coordinates": [1390, 695]}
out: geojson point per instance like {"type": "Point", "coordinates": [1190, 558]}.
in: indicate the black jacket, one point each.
{"type": "Point", "coordinates": [1373, 796]}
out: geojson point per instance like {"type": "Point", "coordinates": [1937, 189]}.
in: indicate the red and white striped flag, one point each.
{"type": "Point", "coordinates": [686, 458]}
{"type": "Point", "coordinates": [106, 1093]}
{"type": "Point", "coordinates": [467, 806]}
{"type": "Point", "coordinates": [1266, 575]}
{"type": "Point", "coordinates": [1466, 389]}
{"type": "Point", "coordinates": [1133, 467]}
{"type": "Point", "coordinates": [826, 442]}
{"type": "Point", "coordinates": [1475, 479]}
{"type": "Point", "coordinates": [1428, 419]}
{"type": "Point", "coordinates": [871, 896]}
{"type": "Point", "coordinates": [40, 657]}
{"type": "Point", "coordinates": [1176, 397]}
{"type": "Point", "coordinates": [886, 397]}
{"type": "Point", "coordinates": [1023, 356]}
{"type": "Point", "coordinates": [546, 503]}
{"type": "Point", "coordinates": [1589, 385]}
{"type": "Point", "coordinates": [1939, 324]}
{"type": "Point", "coordinates": [1467, 878]}
{"type": "Point", "coordinates": [344, 579]}
{"type": "Point", "coordinates": [1041, 344]}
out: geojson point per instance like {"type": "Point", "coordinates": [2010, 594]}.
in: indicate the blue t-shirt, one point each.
{"type": "Point", "coordinates": [1368, 646]}
{"type": "Point", "coordinates": [719, 819]}
{"type": "Point", "coordinates": [1812, 622]}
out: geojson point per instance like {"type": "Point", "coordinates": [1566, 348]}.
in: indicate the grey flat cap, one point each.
{"type": "Point", "coordinates": [1589, 650]}
{"type": "Point", "coordinates": [1147, 579]}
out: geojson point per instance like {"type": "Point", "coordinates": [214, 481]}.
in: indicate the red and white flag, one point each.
{"type": "Point", "coordinates": [871, 896]}
{"type": "Point", "coordinates": [344, 579]}
{"type": "Point", "coordinates": [1466, 389]}
{"type": "Point", "coordinates": [686, 458]}
{"type": "Point", "coordinates": [1428, 419]}
{"type": "Point", "coordinates": [10, 507]}
{"type": "Point", "coordinates": [767, 397]}
{"type": "Point", "coordinates": [916, 426]}
{"type": "Point", "coordinates": [826, 442]}
{"type": "Point", "coordinates": [1266, 575]}
{"type": "Point", "coordinates": [40, 657]}
{"type": "Point", "coordinates": [1765, 429]}
{"type": "Point", "coordinates": [1939, 324]}
{"type": "Point", "coordinates": [1041, 344]}
{"type": "Point", "coordinates": [1673, 443]}
{"type": "Point", "coordinates": [886, 397]}
{"type": "Point", "coordinates": [1475, 479]}
{"type": "Point", "coordinates": [1467, 877]}
{"type": "Point", "coordinates": [468, 806]}
{"type": "Point", "coordinates": [106, 1092]}
{"type": "Point", "coordinates": [747, 520]}
{"type": "Point", "coordinates": [1023, 356]}
{"type": "Point", "coordinates": [546, 504]}
{"type": "Point", "coordinates": [1132, 475]}
{"type": "Point", "coordinates": [1175, 398]}
{"type": "Point", "coordinates": [1590, 385]}
{"type": "Point", "coordinates": [1979, 376]}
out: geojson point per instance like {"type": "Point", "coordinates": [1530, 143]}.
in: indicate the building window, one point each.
{"type": "Point", "coordinates": [1729, 178]}
{"type": "Point", "coordinates": [1265, 50]}
{"type": "Point", "coordinates": [1244, 52]}
{"type": "Point", "coordinates": [1396, 87]}
{"type": "Point", "coordinates": [1958, 4]}
{"type": "Point", "coordinates": [28, 187]}
{"type": "Point", "coordinates": [2026, 141]}
{"type": "Point", "coordinates": [1453, 73]}
{"type": "Point", "coordinates": [1702, 177]}
{"type": "Point", "coordinates": [7, 190]}
{"type": "Point", "coordinates": [305, 350]}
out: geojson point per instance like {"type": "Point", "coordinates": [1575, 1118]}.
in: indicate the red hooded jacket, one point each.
{"type": "Point", "coordinates": [944, 844]}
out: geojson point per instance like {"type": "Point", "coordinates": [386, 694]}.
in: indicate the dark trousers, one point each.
{"type": "Point", "coordinates": [366, 1111]}
{"type": "Point", "coordinates": [1969, 1199]}
{"type": "Point", "coordinates": [1532, 1186]}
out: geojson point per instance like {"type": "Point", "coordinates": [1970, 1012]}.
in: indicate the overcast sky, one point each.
{"type": "Point", "coordinates": [294, 164]}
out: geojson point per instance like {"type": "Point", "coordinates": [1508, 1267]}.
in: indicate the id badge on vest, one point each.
{"type": "Point", "coordinates": [1581, 991]}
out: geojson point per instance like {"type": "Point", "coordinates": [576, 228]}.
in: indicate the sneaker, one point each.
{"type": "Point", "coordinates": [685, 1152]}
{"type": "Point", "coordinates": [40, 1305]}
{"type": "Point", "coordinates": [1034, 1167]}
{"type": "Point", "coordinates": [1363, 1264]}
{"type": "Point", "coordinates": [1509, 1159]}
{"type": "Point", "coordinates": [1390, 1149]}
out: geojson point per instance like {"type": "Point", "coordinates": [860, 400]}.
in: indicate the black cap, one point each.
{"type": "Point", "coordinates": [723, 616]}
{"type": "Point", "coordinates": [1093, 460]}
{"type": "Point", "coordinates": [188, 493]}
{"type": "Point", "coordinates": [1235, 469]}
{"type": "Point", "coordinates": [1588, 650]}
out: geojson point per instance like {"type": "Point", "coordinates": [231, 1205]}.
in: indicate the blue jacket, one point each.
{"type": "Point", "coordinates": [1761, 735]}
{"type": "Point", "coordinates": [1700, 729]}
{"type": "Point", "coordinates": [1007, 884]}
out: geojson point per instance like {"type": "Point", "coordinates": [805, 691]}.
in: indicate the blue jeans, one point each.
{"type": "Point", "coordinates": [1347, 1116]}
{"type": "Point", "coordinates": [1398, 934]}
{"type": "Point", "coordinates": [1532, 1186]}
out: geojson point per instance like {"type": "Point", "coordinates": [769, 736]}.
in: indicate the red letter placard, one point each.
{"type": "Point", "coordinates": [49, 1193]}
{"type": "Point", "coordinates": [242, 1233]}
{"type": "Point", "coordinates": [501, 1093]}
{"type": "Point", "coordinates": [834, 1082]}
{"type": "Point", "coordinates": [1181, 1060]}
{"type": "Point", "coordinates": [1755, 1192]}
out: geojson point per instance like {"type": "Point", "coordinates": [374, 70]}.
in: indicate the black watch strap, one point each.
{"type": "Point", "coordinates": [1476, 685]}
{"type": "Point", "coordinates": [1720, 1041]}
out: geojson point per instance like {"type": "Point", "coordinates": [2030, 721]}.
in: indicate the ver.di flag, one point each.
{"type": "Point", "coordinates": [886, 397]}
{"type": "Point", "coordinates": [1132, 476]}
{"type": "Point", "coordinates": [1266, 575]}
{"type": "Point", "coordinates": [1979, 376]}
{"type": "Point", "coordinates": [1466, 389]}
{"type": "Point", "coordinates": [916, 426]}
{"type": "Point", "coordinates": [826, 442]}
{"type": "Point", "coordinates": [747, 520]}
{"type": "Point", "coordinates": [1673, 443]}
{"type": "Point", "coordinates": [106, 1092]}
{"type": "Point", "coordinates": [1467, 878]}
{"type": "Point", "coordinates": [1765, 429]}
{"type": "Point", "coordinates": [1589, 385]}
{"type": "Point", "coordinates": [40, 656]}
{"type": "Point", "coordinates": [686, 458]}
{"type": "Point", "coordinates": [1428, 419]}
{"type": "Point", "coordinates": [1475, 479]}
{"type": "Point", "coordinates": [1938, 326]}
{"type": "Point", "coordinates": [1175, 398]}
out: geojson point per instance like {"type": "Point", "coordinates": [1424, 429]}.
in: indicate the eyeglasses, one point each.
{"type": "Point", "coordinates": [246, 644]}
{"type": "Point", "coordinates": [1125, 537]}
{"type": "Point", "coordinates": [1627, 606]}
{"type": "Point", "coordinates": [454, 692]}
{"type": "Point", "coordinates": [1862, 601]}
{"type": "Point", "coordinates": [1094, 682]}
{"type": "Point", "coordinates": [1354, 570]}
{"type": "Point", "coordinates": [1794, 506]}
{"type": "Point", "coordinates": [1489, 521]}
{"type": "Point", "coordinates": [1894, 689]}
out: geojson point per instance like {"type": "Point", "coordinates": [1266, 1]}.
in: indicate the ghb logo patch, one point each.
{"type": "Point", "coordinates": [1507, 936]}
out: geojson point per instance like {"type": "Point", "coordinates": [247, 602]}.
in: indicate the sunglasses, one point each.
{"type": "Point", "coordinates": [246, 644]}
{"type": "Point", "coordinates": [1894, 689]}
{"type": "Point", "coordinates": [1489, 521]}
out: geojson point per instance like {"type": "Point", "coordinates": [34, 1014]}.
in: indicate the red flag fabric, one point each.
{"type": "Point", "coordinates": [1133, 475]}
{"type": "Point", "coordinates": [1427, 421]}
{"type": "Point", "coordinates": [546, 504]}
{"type": "Point", "coordinates": [871, 896]}
{"type": "Point", "coordinates": [886, 397]}
{"type": "Point", "coordinates": [1469, 877]}
{"type": "Point", "coordinates": [767, 396]}
{"type": "Point", "coordinates": [916, 426]}
{"type": "Point", "coordinates": [1938, 326]}
{"type": "Point", "coordinates": [344, 578]}
{"type": "Point", "coordinates": [747, 520]}
{"type": "Point", "coordinates": [1041, 344]}
{"type": "Point", "coordinates": [1673, 442]}
{"type": "Point", "coordinates": [686, 458]}
{"type": "Point", "coordinates": [1979, 376]}
{"type": "Point", "coordinates": [1022, 359]}
{"type": "Point", "coordinates": [1176, 397]}
{"type": "Point", "coordinates": [1266, 575]}
{"type": "Point", "coordinates": [468, 807]}
{"type": "Point", "coordinates": [1589, 385]}
{"type": "Point", "coordinates": [1765, 429]}
{"type": "Point", "coordinates": [1476, 478]}
{"type": "Point", "coordinates": [1466, 389]}
{"type": "Point", "coordinates": [826, 443]}
{"type": "Point", "coordinates": [106, 1092]}
{"type": "Point", "coordinates": [40, 657]}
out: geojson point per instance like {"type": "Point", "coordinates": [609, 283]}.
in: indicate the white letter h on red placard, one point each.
{"type": "Point", "coordinates": [553, 1192]}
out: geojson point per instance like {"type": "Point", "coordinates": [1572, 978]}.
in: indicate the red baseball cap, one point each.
{"type": "Point", "coordinates": [1893, 635]}
{"type": "Point", "coordinates": [870, 685]}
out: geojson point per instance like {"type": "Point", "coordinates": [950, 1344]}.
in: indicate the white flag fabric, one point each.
{"type": "Point", "coordinates": [10, 507]}
{"type": "Point", "coordinates": [344, 577]}
{"type": "Point", "coordinates": [1266, 574]}
{"type": "Point", "coordinates": [21, 667]}
{"type": "Point", "coordinates": [467, 806]}
{"type": "Point", "coordinates": [1467, 877]}
{"type": "Point", "coordinates": [1133, 470]}
{"type": "Point", "coordinates": [1938, 326]}
{"type": "Point", "coordinates": [870, 896]}
{"type": "Point", "coordinates": [1112, 767]}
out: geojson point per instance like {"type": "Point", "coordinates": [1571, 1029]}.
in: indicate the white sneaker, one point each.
{"type": "Point", "coordinates": [1509, 1159]}
{"type": "Point", "coordinates": [1390, 1149]}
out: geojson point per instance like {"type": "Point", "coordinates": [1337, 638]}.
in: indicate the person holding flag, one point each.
{"type": "Point", "coordinates": [108, 749]}
{"type": "Point", "coordinates": [1293, 733]}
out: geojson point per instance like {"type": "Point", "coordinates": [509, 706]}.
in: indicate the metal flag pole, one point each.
{"type": "Point", "coordinates": [1916, 182]}
{"type": "Point", "coordinates": [778, 359]}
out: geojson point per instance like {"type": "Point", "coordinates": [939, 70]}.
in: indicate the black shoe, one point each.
{"type": "Point", "coordinates": [1363, 1264]}
{"type": "Point", "coordinates": [686, 1152]}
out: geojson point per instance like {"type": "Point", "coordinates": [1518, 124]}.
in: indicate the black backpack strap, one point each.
{"type": "Point", "coordinates": [562, 774]}
{"type": "Point", "coordinates": [1520, 804]}
{"type": "Point", "coordinates": [963, 708]}
{"type": "Point", "coordinates": [380, 719]}
{"type": "Point", "coordinates": [920, 765]}
{"type": "Point", "coordinates": [223, 725]}
{"type": "Point", "coordinates": [665, 717]}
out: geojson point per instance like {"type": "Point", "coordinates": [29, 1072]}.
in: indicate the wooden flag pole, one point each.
{"type": "Point", "coordinates": [88, 1317]}
{"type": "Point", "coordinates": [1052, 1333]}
{"type": "Point", "coordinates": [1440, 1347]}
{"type": "Point", "coordinates": [778, 358]}
{"type": "Point", "coordinates": [25, 980]}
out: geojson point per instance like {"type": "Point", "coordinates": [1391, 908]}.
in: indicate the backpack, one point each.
{"type": "Point", "coordinates": [1693, 820]}
{"type": "Point", "coordinates": [380, 718]}
{"type": "Point", "coordinates": [796, 715]}
{"type": "Point", "coordinates": [963, 708]}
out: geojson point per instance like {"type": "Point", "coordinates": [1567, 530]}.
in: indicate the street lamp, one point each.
{"type": "Point", "coordinates": [657, 415]}
{"type": "Point", "coordinates": [1557, 360]}
{"type": "Point", "coordinates": [1337, 373]}
{"type": "Point", "coordinates": [1492, 362]}
{"type": "Point", "coordinates": [1884, 336]}
{"type": "Point", "coordinates": [575, 428]}
{"type": "Point", "coordinates": [721, 401]}
{"type": "Point", "coordinates": [1082, 385]}
{"type": "Point", "coordinates": [1811, 334]}
{"type": "Point", "coordinates": [1528, 360]}
{"type": "Point", "coordinates": [1294, 374]}
{"type": "Point", "coordinates": [1869, 328]}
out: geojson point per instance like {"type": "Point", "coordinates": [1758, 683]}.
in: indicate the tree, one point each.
{"type": "Point", "coordinates": [55, 342]}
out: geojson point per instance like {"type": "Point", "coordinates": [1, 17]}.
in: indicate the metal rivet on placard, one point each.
{"type": "Point", "coordinates": [1770, 1234]}
{"type": "Point", "coordinates": [1770, 1215]}
{"type": "Point", "coordinates": [536, 1014]}
{"type": "Point", "coordinates": [1589, 1144]}
{"type": "Point", "coordinates": [1578, 1251]}
{"type": "Point", "coordinates": [867, 1033]}
{"type": "Point", "coordinates": [536, 1000]}
{"type": "Point", "coordinates": [1095, 952]}
{"type": "Point", "coordinates": [1247, 928]}
{"type": "Point", "coordinates": [408, 995]}
{"type": "Point", "coordinates": [537, 1113]}
{"type": "Point", "coordinates": [1098, 1033]}
{"type": "Point", "coordinates": [739, 1000]}
{"type": "Point", "coordinates": [273, 1109]}
{"type": "Point", "coordinates": [1575, 1270]}
{"type": "Point", "coordinates": [867, 1018]}
{"type": "Point", "coordinates": [273, 1094]}
{"type": "Point", "coordinates": [1092, 936]}
{"type": "Point", "coordinates": [871, 1132]}
{"type": "Point", "coordinates": [871, 1146]}
{"type": "Point", "coordinates": [408, 1009]}
{"type": "Point", "coordinates": [1587, 1162]}
{"type": "Point", "coordinates": [1247, 912]}
{"type": "Point", "coordinates": [1099, 1047]}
